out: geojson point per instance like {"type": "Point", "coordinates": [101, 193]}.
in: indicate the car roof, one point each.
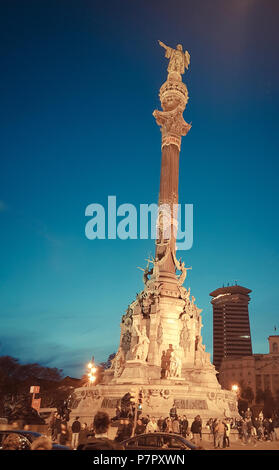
{"type": "Point", "coordinates": [170, 434]}
{"type": "Point", "coordinates": [59, 447]}
{"type": "Point", "coordinates": [167, 434]}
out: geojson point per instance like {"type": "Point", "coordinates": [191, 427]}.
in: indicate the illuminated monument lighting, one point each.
{"type": "Point", "coordinates": [161, 352]}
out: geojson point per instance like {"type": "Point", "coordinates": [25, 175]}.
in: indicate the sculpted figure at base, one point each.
{"type": "Point", "coordinates": [117, 364]}
{"type": "Point", "coordinates": [184, 339]}
{"type": "Point", "coordinates": [140, 350]}
{"type": "Point", "coordinates": [175, 364]}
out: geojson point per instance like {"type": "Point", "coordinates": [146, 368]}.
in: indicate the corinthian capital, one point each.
{"type": "Point", "coordinates": [173, 126]}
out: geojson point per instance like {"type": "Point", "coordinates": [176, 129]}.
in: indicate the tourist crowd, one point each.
{"type": "Point", "coordinates": [81, 436]}
{"type": "Point", "coordinates": [250, 429]}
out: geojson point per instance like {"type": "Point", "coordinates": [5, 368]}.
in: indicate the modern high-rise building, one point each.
{"type": "Point", "coordinates": [231, 325]}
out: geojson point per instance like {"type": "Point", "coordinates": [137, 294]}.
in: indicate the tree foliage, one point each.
{"type": "Point", "coordinates": [16, 380]}
{"type": "Point", "coordinates": [248, 394]}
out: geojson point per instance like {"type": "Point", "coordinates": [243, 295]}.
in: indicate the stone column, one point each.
{"type": "Point", "coordinates": [173, 97]}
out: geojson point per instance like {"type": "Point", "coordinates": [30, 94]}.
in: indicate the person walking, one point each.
{"type": "Point", "coordinates": [76, 427]}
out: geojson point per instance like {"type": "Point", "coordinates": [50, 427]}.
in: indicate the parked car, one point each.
{"type": "Point", "coordinates": [158, 440]}
{"type": "Point", "coordinates": [26, 438]}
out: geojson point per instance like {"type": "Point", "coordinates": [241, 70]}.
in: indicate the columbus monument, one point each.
{"type": "Point", "coordinates": [161, 353]}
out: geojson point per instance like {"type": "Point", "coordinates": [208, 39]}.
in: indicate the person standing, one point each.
{"type": "Point", "coordinates": [117, 414]}
{"type": "Point", "coordinates": [200, 420]}
{"type": "Point", "coordinates": [52, 425]}
{"type": "Point", "coordinates": [196, 430]}
{"type": "Point", "coordinates": [271, 431]}
{"type": "Point", "coordinates": [140, 428]}
{"type": "Point", "coordinates": [124, 431]}
{"type": "Point", "coordinates": [57, 427]}
{"type": "Point", "coordinates": [101, 441]}
{"type": "Point", "coordinates": [227, 431]}
{"type": "Point", "coordinates": [266, 429]}
{"type": "Point", "coordinates": [173, 412]}
{"type": "Point", "coordinates": [152, 426]}
{"type": "Point", "coordinates": [213, 430]}
{"type": "Point", "coordinates": [248, 413]}
{"type": "Point", "coordinates": [220, 431]}
{"type": "Point", "coordinates": [184, 426]}
{"type": "Point", "coordinates": [167, 425]}
{"type": "Point", "coordinates": [76, 427]}
{"type": "Point", "coordinates": [160, 423]}
{"type": "Point", "coordinates": [244, 432]}
{"type": "Point", "coordinates": [145, 420]}
{"type": "Point", "coordinates": [175, 426]}
{"type": "Point", "coordinates": [64, 435]}
{"type": "Point", "coordinates": [276, 427]}
{"type": "Point", "coordinates": [83, 435]}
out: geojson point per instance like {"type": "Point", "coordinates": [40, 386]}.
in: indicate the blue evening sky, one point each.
{"type": "Point", "coordinates": [79, 83]}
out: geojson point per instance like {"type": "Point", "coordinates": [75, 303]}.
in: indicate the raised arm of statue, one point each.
{"type": "Point", "coordinates": [163, 45]}
{"type": "Point", "coordinates": [168, 49]}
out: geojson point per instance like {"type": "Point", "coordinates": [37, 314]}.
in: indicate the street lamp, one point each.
{"type": "Point", "coordinates": [235, 388]}
{"type": "Point", "coordinates": [92, 371]}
